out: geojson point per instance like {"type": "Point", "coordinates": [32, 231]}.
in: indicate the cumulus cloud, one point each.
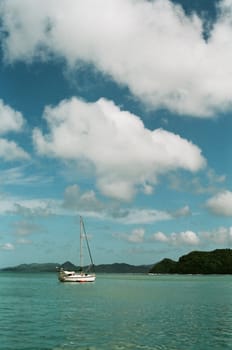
{"type": "Point", "coordinates": [87, 202]}
{"type": "Point", "coordinates": [10, 120]}
{"type": "Point", "coordinates": [74, 199]}
{"type": "Point", "coordinates": [7, 246]}
{"type": "Point", "coordinates": [221, 204]}
{"type": "Point", "coordinates": [209, 182]}
{"type": "Point", "coordinates": [29, 207]}
{"type": "Point", "coordinates": [9, 150]}
{"type": "Point", "coordinates": [220, 236]}
{"type": "Point", "coordinates": [124, 154]}
{"type": "Point", "coordinates": [184, 211]}
{"type": "Point", "coordinates": [136, 236]}
{"type": "Point", "coordinates": [160, 237]}
{"type": "Point", "coordinates": [141, 216]}
{"type": "Point", "coordinates": [182, 238]}
{"type": "Point", "coordinates": [152, 47]}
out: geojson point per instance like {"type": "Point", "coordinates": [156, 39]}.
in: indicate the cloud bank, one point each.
{"type": "Point", "coordinates": [125, 156]}
{"type": "Point", "coordinates": [152, 47]}
{"type": "Point", "coordinates": [220, 236]}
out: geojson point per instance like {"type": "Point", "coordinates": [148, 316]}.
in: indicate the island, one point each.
{"type": "Point", "coordinates": [54, 267]}
{"type": "Point", "coordinates": [218, 261]}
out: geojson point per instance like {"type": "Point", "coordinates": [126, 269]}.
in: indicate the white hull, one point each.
{"type": "Point", "coordinates": [72, 276]}
{"type": "Point", "coordinates": [82, 275]}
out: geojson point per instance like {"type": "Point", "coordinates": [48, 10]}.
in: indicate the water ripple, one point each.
{"type": "Point", "coordinates": [139, 313]}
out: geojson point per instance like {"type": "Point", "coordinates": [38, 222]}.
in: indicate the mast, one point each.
{"type": "Point", "coordinates": [87, 243]}
{"type": "Point", "coordinates": [83, 235]}
{"type": "Point", "coordinates": [81, 255]}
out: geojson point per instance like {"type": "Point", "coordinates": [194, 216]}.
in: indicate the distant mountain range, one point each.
{"type": "Point", "coordinates": [53, 267]}
{"type": "Point", "coordinates": [218, 261]}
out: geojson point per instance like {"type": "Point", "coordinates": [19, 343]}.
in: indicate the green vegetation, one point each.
{"type": "Point", "coordinates": [218, 261]}
{"type": "Point", "coordinates": [121, 268]}
{"type": "Point", "coordinates": [51, 267]}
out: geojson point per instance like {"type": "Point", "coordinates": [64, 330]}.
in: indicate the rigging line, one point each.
{"type": "Point", "coordinates": [87, 243]}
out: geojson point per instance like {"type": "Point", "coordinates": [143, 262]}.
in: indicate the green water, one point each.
{"type": "Point", "coordinates": [116, 312]}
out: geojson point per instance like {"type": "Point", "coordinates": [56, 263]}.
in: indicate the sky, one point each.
{"type": "Point", "coordinates": [118, 111]}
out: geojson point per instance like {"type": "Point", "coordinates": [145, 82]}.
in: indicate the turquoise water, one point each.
{"type": "Point", "coordinates": [116, 312]}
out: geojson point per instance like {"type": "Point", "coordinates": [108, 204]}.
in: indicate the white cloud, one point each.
{"type": "Point", "coordinates": [19, 175]}
{"type": "Point", "coordinates": [184, 211]}
{"type": "Point", "coordinates": [141, 216]}
{"type": "Point", "coordinates": [221, 204]}
{"type": "Point", "coordinates": [182, 238]}
{"type": "Point", "coordinates": [86, 201]}
{"type": "Point", "coordinates": [153, 47]}
{"type": "Point", "coordinates": [136, 236]}
{"type": "Point", "coordinates": [145, 216]}
{"type": "Point", "coordinates": [10, 120]}
{"type": "Point", "coordinates": [160, 237]}
{"type": "Point", "coordinates": [220, 236]}
{"type": "Point", "coordinates": [29, 207]}
{"type": "Point", "coordinates": [7, 246]}
{"type": "Point", "coordinates": [9, 150]}
{"type": "Point", "coordinates": [124, 154]}
{"type": "Point", "coordinates": [209, 182]}
{"type": "Point", "coordinates": [212, 239]}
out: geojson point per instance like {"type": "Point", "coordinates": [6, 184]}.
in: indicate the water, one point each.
{"type": "Point", "coordinates": [117, 312]}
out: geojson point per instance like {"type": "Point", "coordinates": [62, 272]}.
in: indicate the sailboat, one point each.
{"type": "Point", "coordinates": [84, 274]}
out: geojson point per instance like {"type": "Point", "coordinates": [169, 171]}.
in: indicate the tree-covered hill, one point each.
{"type": "Point", "coordinates": [218, 261]}
{"type": "Point", "coordinates": [53, 267]}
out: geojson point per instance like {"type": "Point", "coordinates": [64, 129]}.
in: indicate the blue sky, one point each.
{"type": "Point", "coordinates": [119, 111]}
